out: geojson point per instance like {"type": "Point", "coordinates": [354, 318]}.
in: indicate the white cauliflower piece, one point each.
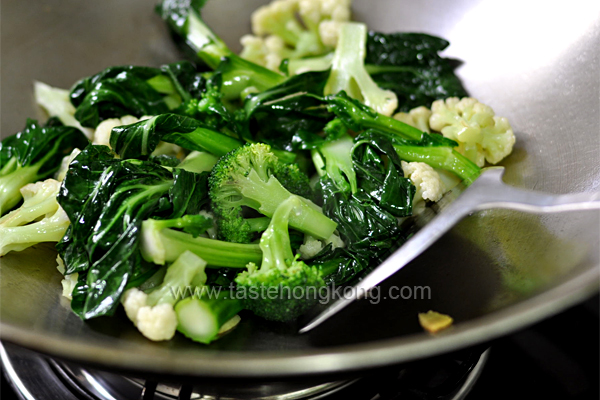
{"type": "Point", "coordinates": [482, 136]}
{"type": "Point", "coordinates": [156, 323]}
{"type": "Point", "coordinates": [278, 34]}
{"type": "Point", "coordinates": [39, 219]}
{"type": "Point", "coordinates": [255, 50]}
{"type": "Point", "coordinates": [417, 117]}
{"type": "Point", "coordinates": [64, 165]}
{"type": "Point", "coordinates": [133, 300]}
{"type": "Point", "coordinates": [430, 186]}
{"type": "Point", "coordinates": [312, 246]}
{"type": "Point", "coordinates": [329, 32]}
{"type": "Point", "coordinates": [104, 128]}
{"type": "Point", "coordinates": [57, 103]}
{"type": "Point", "coordinates": [168, 149]}
{"type": "Point", "coordinates": [69, 282]}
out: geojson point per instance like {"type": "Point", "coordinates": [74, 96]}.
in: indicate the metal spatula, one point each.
{"type": "Point", "coordinates": [488, 191]}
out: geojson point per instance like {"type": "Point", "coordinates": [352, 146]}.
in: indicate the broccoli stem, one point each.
{"type": "Point", "coordinates": [166, 245]}
{"type": "Point", "coordinates": [266, 197]}
{"type": "Point", "coordinates": [441, 157]}
{"type": "Point", "coordinates": [338, 162]}
{"type": "Point", "coordinates": [275, 241]}
{"type": "Point", "coordinates": [198, 161]}
{"type": "Point", "coordinates": [187, 268]}
{"type": "Point", "coordinates": [201, 318]}
{"type": "Point", "coordinates": [258, 224]}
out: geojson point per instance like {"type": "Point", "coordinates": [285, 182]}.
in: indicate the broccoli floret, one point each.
{"type": "Point", "coordinates": [248, 177]}
{"type": "Point", "coordinates": [348, 71]}
{"type": "Point", "coordinates": [161, 242]}
{"type": "Point", "coordinates": [38, 219]}
{"type": "Point", "coordinates": [283, 287]}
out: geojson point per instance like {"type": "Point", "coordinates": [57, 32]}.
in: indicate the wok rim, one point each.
{"type": "Point", "coordinates": [330, 360]}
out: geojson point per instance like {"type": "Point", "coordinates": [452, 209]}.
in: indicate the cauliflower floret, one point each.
{"type": "Point", "coordinates": [278, 34]}
{"type": "Point", "coordinates": [64, 165]}
{"type": "Point", "coordinates": [133, 300]}
{"type": "Point", "coordinates": [417, 117]}
{"type": "Point", "coordinates": [481, 135]}
{"type": "Point", "coordinates": [156, 323]}
{"type": "Point", "coordinates": [69, 282]}
{"type": "Point", "coordinates": [39, 219]}
{"type": "Point", "coordinates": [57, 103]}
{"type": "Point", "coordinates": [329, 32]}
{"type": "Point", "coordinates": [255, 50]}
{"type": "Point", "coordinates": [430, 186]}
{"type": "Point", "coordinates": [312, 246]}
{"type": "Point", "coordinates": [104, 128]}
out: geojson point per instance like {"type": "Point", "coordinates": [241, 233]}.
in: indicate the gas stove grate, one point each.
{"type": "Point", "coordinates": [37, 377]}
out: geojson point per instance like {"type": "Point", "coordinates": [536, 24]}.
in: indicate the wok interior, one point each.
{"type": "Point", "coordinates": [544, 80]}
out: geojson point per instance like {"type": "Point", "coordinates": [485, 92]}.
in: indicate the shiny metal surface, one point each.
{"type": "Point", "coordinates": [535, 62]}
{"type": "Point", "coordinates": [487, 192]}
{"type": "Point", "coordinates": [35, 376]}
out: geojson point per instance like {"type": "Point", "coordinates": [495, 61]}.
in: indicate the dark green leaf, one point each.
{"type": "Point", "coordinates": [140, 139]}
{"type": "Point", "coordinates": [410, 65]}
{"type": "Point", "coordinates": [106, 200]}
{"type": "Point", "coordinates": [118, 91]}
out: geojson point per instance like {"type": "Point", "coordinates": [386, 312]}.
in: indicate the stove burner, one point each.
{"type": "Point", "coordinates": [37, 377]}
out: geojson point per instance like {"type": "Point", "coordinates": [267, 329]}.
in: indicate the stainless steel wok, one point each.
{"type": "Point", "coordinates": [535, 62]}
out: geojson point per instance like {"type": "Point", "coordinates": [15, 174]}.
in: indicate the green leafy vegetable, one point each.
{"type": "Point", "coordinates": [118, 91]}
{"type": "Point", "coordinates": [33, 154]}
{"type": "Point", "coordinates": [140, 139]}
{"type": "Point", "coordinates": [409, 64]}
{"type": "Point", "coordinates": [107, 200]}
{"type": "Point", "coordinates": [240, 76]}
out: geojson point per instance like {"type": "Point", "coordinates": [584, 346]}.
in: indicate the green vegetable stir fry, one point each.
{"type": "Point", "coordinates": [242, 184]}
